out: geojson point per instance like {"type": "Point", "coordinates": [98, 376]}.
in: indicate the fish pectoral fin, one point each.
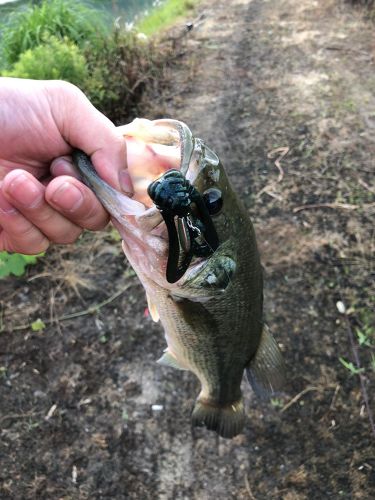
{"type": "Point", "coordinates": [266, 370]}
{"type": "Point", "coordinates": [169, 360]}
{"type": "Point", "coordinates": [152, 309]}
{"type": "Point", "coordinates": [213, 277]}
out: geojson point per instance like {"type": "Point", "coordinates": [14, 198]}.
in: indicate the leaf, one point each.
{"type": "Point", "coordinates": [350, 366]}
{"type": "Point", "coordinates": [38, 325]}
{"type": "Point", "coordinates": [363, 338]}
{"type": "Point", "coordinates": [15, 263]}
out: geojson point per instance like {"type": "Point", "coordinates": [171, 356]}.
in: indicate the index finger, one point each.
{"type": "Point", "coordinates": [85, 128]}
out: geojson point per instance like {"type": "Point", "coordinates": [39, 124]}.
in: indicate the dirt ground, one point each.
{"type": "Point", "coordinates": [86, 413]}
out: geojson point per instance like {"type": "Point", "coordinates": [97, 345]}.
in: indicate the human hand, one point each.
{"type": "Point", "coordinates": [40, 202]}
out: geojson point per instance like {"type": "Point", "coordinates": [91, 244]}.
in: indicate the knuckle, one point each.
{"type": "Point", "coordinates": [45, 217]}
{"type": "Point", "coordinates": [66, 237]}
{"type": "Point", "coordinates": [37, 243]}
{"type": "Point", "coordinates": [96, 218]}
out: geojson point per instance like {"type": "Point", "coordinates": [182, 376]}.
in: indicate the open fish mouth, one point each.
{"type": "Point", "coordinates": [160, 154]}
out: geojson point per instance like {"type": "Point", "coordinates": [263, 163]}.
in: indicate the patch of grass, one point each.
{"type": "Point", "coordinates": [66, 40]}
{"type": "Point", "coordinates": [27, 28]}
{"type": "Point", "coordinates": [165, 15]}
{"type": "Point", "coordinates": [54, 59]}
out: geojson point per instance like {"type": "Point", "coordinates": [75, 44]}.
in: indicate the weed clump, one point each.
{"type": "Point", "coordinates": [120, 72]}
{"type": "Point", "coordinates": [54, 59]}
{"type": "Point", "coordinates": [62, 39]}
{"type": "Point", "coordinates": [63, 19]}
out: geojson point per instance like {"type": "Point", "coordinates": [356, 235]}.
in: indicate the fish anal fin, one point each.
{"type": "Point", "coordinates": [152, 309]}
{"type": "Point", "coordinates": [227, 420]}
{"type": "Point", "coordinates": [169, 360]}
{"type": "Point", "coordinates": [266, 370]}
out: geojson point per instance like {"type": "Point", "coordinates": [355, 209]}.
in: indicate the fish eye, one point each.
{"type": "Point", "coordinates": [213, 200]}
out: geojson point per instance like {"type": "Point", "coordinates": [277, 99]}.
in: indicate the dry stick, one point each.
{"type": "Point", "coordinates": [248, 489]}
{"type": "Point", "coordinates": [90, 310]}
{"type": "Point", "coordinates": [356, 358]}
{"type": "Point", "coordinates": [267, 189]}
{"type": "Point", "coordinates": [366, 186]}
{"type": "Point", "coordinates": [333, 401]}
{"type": "Point", "coordinates": [361, 377]}
{"type": "Point", "coordinates": [344, 206]}
{"type": "Point", "coordinates": [284, 151]}
{"type": "Point", "coordinates": [299, 396]}
{"type": "Point", "coordinates": [17, 416]}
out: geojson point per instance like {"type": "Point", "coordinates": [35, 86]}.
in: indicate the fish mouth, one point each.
{"type": "Point", "coordinates": [157, 152]}
{"type": "Point", "coordinates": [153, 148]}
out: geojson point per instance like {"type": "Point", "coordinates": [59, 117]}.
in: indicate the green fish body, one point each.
{"type": "Point", "coordinates": [212, 316]}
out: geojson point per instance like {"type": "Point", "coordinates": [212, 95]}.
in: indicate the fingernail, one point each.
{"type": "Point", "coordinates": [25, 192]}
{"type": "Point", "coordinates": [6, 208]}
{"type": "Point", "coordinates": [125, 182]}
{"type": "Point", "coordinates": [68, 197]}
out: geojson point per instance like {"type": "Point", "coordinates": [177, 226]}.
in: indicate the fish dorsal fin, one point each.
{"type": "Point", "coordinates": [266, 371]}
{"type": "Point", "coordinates": [152, 309]}
{"type": "Point", "coordinates": [169, 360]}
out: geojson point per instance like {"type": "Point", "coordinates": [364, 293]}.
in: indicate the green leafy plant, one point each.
{"type": "Point", "coordinates": [349, 365]}
{"type": "Point", "coordinates": [54, 59]}
{"type": "Point", "coordinates": [364, 336]}
{"type": "Point", "coordinates": [277, 402]}
{"type": "Point", "coordinates": [26, 29]}
{"type": "Point", "coordinates": [15, 263]}
{"type": "Point", "coordinates": [38, 325]}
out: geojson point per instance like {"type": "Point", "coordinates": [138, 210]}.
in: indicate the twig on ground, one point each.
{"type": "Point", "coordinates": [299, 396]}
{"type": "Point", "coordinates": [282, 152]}
{"type": "Point", "coordinates": [366, 186]}
{"type": "Point", "coordinates": [268, 189]}
{"type": "Point", "coordinates": [90, 310]}
{"type": "Point", "coordinates": [18, 416]}
{"type": "Point", "coordinates": [344, 206]}
{"type": "Point", "coordinates": [248, 489]}
{"type": "Point", "coordinates": [334, 397]}
{"type": "Point", "coordinates": [344, 312]}
{"type": "Point", "coordinates": [349, 51]}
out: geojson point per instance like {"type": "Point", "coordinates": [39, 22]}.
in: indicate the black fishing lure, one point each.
{"type": "Point", "coordinates": [190, 228]}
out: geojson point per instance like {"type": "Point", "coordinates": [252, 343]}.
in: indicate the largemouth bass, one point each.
{"type": "Point", "coordinates": [201, 273]}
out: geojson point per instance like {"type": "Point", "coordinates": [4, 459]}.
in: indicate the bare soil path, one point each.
{"type": "Point", "coordinates": [85, 411]}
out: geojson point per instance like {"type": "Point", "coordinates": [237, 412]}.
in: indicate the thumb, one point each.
{"type": "Point", "coordinates": [84, 127]}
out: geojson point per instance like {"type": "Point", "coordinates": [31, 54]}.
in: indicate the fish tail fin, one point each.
{"type": "Point", "coordinates": [227, 421]}
{"type": "Point", "coordinates": [266, 371]}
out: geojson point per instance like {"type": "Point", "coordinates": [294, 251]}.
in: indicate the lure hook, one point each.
{"type": "Point", "coordinates": [190, 234]}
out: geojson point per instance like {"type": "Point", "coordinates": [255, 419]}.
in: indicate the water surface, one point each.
{"type": "Point", "coordinates": [126, 9]}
